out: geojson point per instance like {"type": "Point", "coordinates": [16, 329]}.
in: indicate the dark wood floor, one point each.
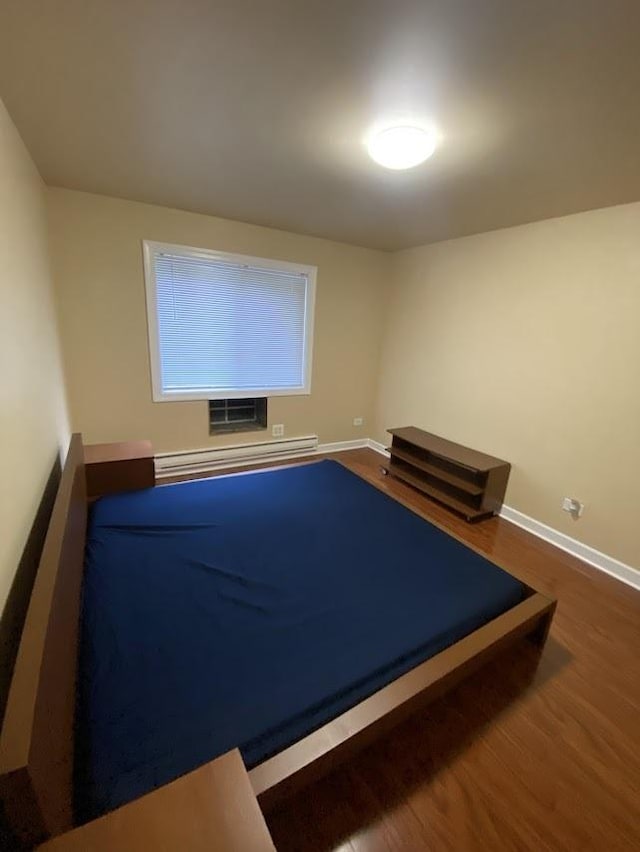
{"type": "Point", "coordinates": [529, 754]}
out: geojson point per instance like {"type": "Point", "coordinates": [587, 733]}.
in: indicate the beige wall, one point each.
{"type": "Point", "coordinates": [33, 426]}
{"type": "Point", "coordinates": [522, 342]}
{"type": "Point", "coordinates": [525, 343]}
{"type": "Point", "coordinates": [98, 267]}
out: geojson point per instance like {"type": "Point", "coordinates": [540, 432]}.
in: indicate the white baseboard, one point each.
{"type": "Point", "coordinates": [576, 548]}
{"type": "Point", "coordinates": [378, 447]}
{"type": "Point", "coordinates": [208, 459]}
{"type": "Point", "coordinates": [211, 459]}
{"type": "Point", "coordinates": [339, 446]}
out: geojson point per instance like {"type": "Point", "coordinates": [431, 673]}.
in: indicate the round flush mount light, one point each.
{"type": "Point", "coordinates": [402, 147]}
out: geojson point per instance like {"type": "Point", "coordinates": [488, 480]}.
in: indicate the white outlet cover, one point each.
{"type": "Point", "coordinates": [574, 507]}
{"type": "Point", "coordinates": [358, 421]}
{"type": "Point", "coordinates": [277, 430]}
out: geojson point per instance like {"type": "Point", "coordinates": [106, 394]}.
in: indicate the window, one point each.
{"type": "Point", "coordinates": [225, 326]}
{"type": "Point", "coordinates": [237, 415]}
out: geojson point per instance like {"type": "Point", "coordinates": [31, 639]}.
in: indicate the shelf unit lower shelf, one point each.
{"type": "Point", "coordinates": [470, 483]}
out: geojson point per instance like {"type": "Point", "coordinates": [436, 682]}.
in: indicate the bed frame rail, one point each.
{"type": "Point", "coordinates": [307, 760]}
{"type": "Point", "coordinates": [36, 742]}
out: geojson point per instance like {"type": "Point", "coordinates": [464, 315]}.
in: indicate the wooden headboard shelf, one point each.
{"type": "Point", "coordinates": [36, 743]}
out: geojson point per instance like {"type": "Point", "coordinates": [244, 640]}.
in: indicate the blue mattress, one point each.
{"type": "Point", "coordinates": [247, 611]}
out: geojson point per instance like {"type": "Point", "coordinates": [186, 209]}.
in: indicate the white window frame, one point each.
{"type": "Point", "coordinates": [151, 249]}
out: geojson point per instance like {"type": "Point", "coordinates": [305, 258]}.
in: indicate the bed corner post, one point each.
{"type": "Point", "coordinates": [540, 633]}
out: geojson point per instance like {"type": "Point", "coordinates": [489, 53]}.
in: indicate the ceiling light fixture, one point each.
{"type": "Point", "coordinates": [402, 147]}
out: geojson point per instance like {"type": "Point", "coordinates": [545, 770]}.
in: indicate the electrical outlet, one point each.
{"type": "Point", "coordinates": [358, 421]}
{"type": "Point", "coordinates": [277, 430]}
{"type": "Point", "coordinates": [574, 507]}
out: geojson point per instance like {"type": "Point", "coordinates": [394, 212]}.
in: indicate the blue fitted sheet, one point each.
{"type": "Point", "coordinates": [249, 610]}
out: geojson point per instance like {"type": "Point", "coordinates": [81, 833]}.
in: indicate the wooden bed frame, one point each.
{"type": "Point", "coordinates": [37, 738]}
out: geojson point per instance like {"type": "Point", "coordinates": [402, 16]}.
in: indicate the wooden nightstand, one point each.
{"type": "Point", "coordinates": [111, 468]}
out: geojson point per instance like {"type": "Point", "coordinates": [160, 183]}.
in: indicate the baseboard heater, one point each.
{"type": "Point", "coordinates": [237, 455]}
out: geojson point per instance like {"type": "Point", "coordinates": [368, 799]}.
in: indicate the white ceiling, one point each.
{"type": "Point", "coordinates": [256, 109]}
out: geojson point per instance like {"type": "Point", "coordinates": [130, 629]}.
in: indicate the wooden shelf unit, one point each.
{"type": "Point", "coordinates": [467, 481]}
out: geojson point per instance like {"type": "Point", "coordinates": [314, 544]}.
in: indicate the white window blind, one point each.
{"type": "Point", "coordinates": [224, 326]}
